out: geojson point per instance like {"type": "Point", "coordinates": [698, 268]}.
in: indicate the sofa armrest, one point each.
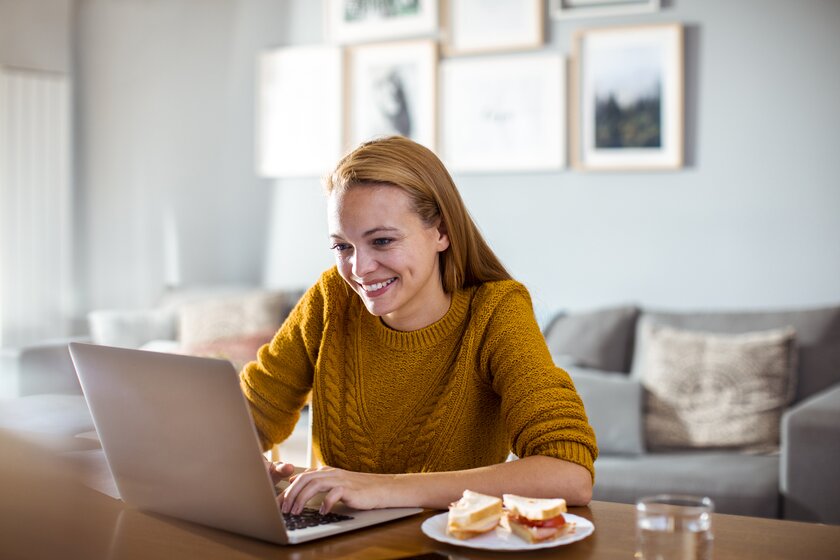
{"type": "Point", "coordinates": [45, 368]}
{"type": "Point", "coordinates": [810, 458]}
{"type": "Point", "coordinates": [132, 328]}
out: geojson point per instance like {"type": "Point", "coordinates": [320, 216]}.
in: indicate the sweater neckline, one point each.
{"type": "Point", "coordinates": [427, 336]}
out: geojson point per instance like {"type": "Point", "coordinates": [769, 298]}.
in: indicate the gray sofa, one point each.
{"type": "Point", "coordinates": [800, 480]}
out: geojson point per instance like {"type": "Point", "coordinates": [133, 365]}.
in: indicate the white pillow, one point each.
{"type": "Point", "coordinates": [131, 328]}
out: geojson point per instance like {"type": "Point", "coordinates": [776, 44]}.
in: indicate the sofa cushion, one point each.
{"type": "Point", "coordinates": [714, 390]}
{"type": "Point", "coordinates": [614, 408]}
{"type": "Point", "coordinates": [737, 483]}
{"type": "Point", "coordinates": [817, 337]}
{"type": "Point", "coordinates": [599, 339]}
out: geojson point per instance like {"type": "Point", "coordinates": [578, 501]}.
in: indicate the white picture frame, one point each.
{"type": "Point", "coordinates": [569, 9]}
{"type": "Point", "coordinates": [503, 113]}
{"type": "Point", "coordinates": [299, 112]}
{"type": "Point", "coordinates": [392, 91]}
{"type": "Point", "coordinates": [628, 98]}
{"type": "Point", "coordinates": [369, 21]}
{"type": "Point", "coordinates": [487, 26]}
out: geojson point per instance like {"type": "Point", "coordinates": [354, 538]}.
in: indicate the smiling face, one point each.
{"type": "Point", "coordinates": [387, 255]}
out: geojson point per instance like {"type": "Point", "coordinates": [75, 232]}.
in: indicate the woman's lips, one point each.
{"type": "Point", "coordinates": [376, 289]}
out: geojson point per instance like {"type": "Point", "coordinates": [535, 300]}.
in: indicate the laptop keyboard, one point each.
{"type": "Point", "coordinates": [311, 518]}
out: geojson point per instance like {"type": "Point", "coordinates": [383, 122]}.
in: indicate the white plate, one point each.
{"type": "Point", "coordinates": [501, 538]}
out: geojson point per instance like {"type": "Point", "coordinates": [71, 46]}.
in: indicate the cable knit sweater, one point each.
{"type": "Point", "coordinates": [457, 394]}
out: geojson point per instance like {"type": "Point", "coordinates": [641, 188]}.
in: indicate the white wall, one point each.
{"type": "Point", "coordinates": [166, 117]}
{"type": "Point", "coordinates": [752, 221]}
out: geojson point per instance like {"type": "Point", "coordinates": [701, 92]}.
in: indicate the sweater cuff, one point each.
{"type": "Point", "coordinates": [572, 452]}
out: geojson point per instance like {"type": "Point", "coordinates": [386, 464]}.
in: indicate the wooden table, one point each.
{"type": "Point", "coordinates": [46, 513]}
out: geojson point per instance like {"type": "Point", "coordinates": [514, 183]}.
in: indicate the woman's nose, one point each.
{"type": "Point", "coordinates": [363, 264]}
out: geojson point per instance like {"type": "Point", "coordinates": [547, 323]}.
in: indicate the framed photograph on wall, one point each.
{"type": "Point", "coordinates": [567, 9]}
{"type": "Point", "coordinates": [503, 113]}
{"type": "Point", "coordinates": [365, 21]}
{"type": "Point", "coordinates": [391, 90]}
{"type": "Point", "coordinates": [481, 26]}
{"type": "Point", "coordinates": [628, 98]}
{"type": "Point", "coordinates": [299, 112]}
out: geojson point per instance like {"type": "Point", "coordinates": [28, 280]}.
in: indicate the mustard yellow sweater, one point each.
{"type": "Point", "coordinates": [455, 395]}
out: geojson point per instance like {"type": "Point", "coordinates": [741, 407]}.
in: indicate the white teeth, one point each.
{"type": "Point", "coordinates": [377, 286]}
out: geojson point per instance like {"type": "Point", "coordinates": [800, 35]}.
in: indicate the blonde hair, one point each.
{"type": "Point", "coordinates": [402, 163]}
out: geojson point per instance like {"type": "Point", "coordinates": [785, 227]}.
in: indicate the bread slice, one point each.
{"type": "Point", "coordinates": [535, 509]}
{"type": "Point", "coordinates": [473, 515]}
{"type": "Point", "coordinates": [546, 515]}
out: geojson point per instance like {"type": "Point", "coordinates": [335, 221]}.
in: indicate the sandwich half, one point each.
{"type": "Point", "coordinates": [473, 515]}
{"type": "Point", "coordinates": [536, 519]}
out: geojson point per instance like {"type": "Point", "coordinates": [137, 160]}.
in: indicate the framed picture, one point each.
{"type": "Point", "coordinates": [628, 98]}
{"type": "Point", "coordinates": [392, 90]}
{"type": "Point", "coordinates": [503, 113]}
{"type": "Point", "coordinates": [566, 9]}
{"type": "Point", "coordinates": [480, 26]}
{"type": "Point", "coordinates": [364, 21]}
{"type": "Point", "coordinates": [299, 112]}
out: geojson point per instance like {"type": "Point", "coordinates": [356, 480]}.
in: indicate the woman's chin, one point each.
{"type": "Point", "coordinates": [376, 308]}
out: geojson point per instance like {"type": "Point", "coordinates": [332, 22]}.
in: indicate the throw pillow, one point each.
{"type": "Point", "coordinates": [232, 327]}
{"type": "Point", "coordinates": [600, 339]}
{"type": "Point", "coordinates": [613, 406]}
{"type": "Point", "coordinates": [705, 390]}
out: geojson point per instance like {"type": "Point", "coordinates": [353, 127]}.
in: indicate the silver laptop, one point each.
{"type": "Point", "coordinates": [180, 441]}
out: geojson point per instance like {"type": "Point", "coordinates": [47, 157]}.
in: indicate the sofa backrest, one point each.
{"type": "Point", "coordinates": [817, 337]}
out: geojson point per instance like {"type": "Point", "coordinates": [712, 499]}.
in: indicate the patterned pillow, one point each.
{"type": "Point", "coordinates": [705, 390]}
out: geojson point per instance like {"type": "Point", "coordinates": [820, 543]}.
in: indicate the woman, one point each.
{"type": "Point", "coordinates": [423, 357]}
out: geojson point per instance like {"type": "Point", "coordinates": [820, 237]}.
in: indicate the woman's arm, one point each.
{"type": "Point", "coordinates": [535, 476]}
{"type": "Point", "coordinates": [277, 384]}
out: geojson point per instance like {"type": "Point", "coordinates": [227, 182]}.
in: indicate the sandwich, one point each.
{"type": "Point", "coordinates": [536, 519]}
{"type": "Point", "coordinates": [473, 515]}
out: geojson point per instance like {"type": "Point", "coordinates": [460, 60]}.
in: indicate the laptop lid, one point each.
{"type": "Point", "coordinates": [179, 439]}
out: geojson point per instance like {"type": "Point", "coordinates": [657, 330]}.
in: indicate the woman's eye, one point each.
{"type": "Point", "coordinates": [382, 241]}
{"type": "Point", "coordinates": [340, 247]}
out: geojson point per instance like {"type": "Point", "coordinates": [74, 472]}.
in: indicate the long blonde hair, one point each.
{"type": "Point", "coordinates": [402, 163]}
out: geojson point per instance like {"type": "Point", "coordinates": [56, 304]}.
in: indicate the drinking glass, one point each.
{"type": "Point", "coordinates": [674, 527]}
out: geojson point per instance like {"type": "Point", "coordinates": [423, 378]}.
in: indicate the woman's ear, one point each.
{"type": "Point", "coordinates": [443, 236]}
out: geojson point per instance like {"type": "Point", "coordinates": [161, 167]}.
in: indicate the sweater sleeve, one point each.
{"type": "Point", "coordinates": [278, 383]}
{"type": "Point", "coordinates": [542, 411]}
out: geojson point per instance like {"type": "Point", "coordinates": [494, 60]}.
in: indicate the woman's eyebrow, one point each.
{"type": "Point", "coordinates": [379, 229]}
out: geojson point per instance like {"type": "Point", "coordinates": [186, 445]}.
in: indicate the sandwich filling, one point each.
{"type": "Point", "coordinates": [534, 519]}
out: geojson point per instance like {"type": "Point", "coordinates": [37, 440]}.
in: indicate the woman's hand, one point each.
{"type": "Point", "coordinates": [279, 471]}
{"type": "Point", "coordinates": [356, 490]}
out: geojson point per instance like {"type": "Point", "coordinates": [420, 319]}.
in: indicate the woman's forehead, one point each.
{"type": "Point", "coordinates": [365, 207]}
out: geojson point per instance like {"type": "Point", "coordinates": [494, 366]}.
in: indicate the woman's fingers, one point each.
{"type": "Point", "coordinates": [279, 471]}
{"type": "Point", "coordinates": [332, 498]}
{"type": "Point", "coordinates": [357, 490]}
{"type": "Point", "coordinates": [303, 488]}
{"type": "Point", "coordinates": [285, 470]}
